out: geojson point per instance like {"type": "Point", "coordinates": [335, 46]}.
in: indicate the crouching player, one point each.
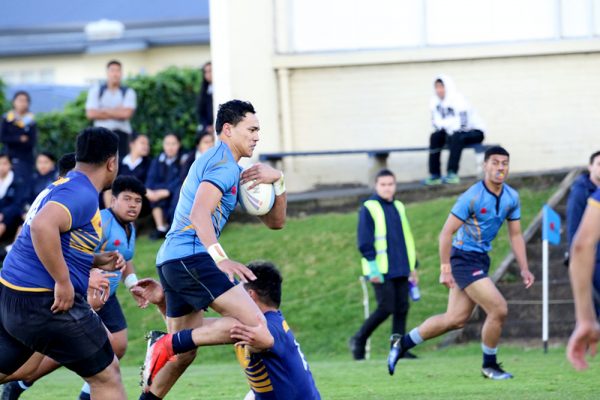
{"type": "Point", "coordinates": [118, 235]}
{"type": "Point", "coordinates": [275, 370]}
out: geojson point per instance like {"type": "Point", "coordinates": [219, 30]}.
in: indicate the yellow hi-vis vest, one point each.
{"type": "Point", "coordinates": [376, 211]}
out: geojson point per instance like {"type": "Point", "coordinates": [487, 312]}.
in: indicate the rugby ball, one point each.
{"type": "Point", "coordinates": [258, 200]}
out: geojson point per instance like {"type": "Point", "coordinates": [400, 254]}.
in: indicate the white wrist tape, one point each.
{"type": "Point", "coordinates": [279, 186]}
{"type": "Point", "coordinates": [217, 253]}
{"type": "Point", "coordinates": [130, 280]}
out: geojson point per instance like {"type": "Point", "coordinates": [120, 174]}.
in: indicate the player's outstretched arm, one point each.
{"type": "Point", "coordinates": [263, 173]}
{"type": "Point", "coordinates": [517, 244]}
{"type": "Point", "coordinates": [206, 201]}
{"type": "Point", "coordinates": [581, 268]}
{"type": "Point", "coordinates": [445, 246]}
{"type": "Point", "coordinates": [46, 228]}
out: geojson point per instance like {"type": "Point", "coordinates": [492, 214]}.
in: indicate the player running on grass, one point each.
{"type": "Point", "coordinates": [193, 267]}
{"type": "Point", "coordinates": [476, 219]}
{"type": "Point", "coordinates": [118, 234]}
{"type": "Point", "coordinates": [278, 372]}
{"type": "Point", "coordinates": [586, 335]}
{"type": "Point", "coordinates": [45, 276]}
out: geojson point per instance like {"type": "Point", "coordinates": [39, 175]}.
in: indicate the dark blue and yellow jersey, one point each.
{"type": "Point", "coordinates": [22, 268]}
{"type": "Point", "coordinates": [116, 236]}
{"type": "Point", "coordinates": [483, 213]}
{"type": "Point", "coordinates": [594, 199]}
{"type": "Point", "coordinates": [281, 373]}
{"type": "Point", "coordinates": [218, 167]}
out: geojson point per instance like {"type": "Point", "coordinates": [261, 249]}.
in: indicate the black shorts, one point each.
{"type": "Point", "coordinates": [468, 266]}
{"type": "Point", "coordinates": [191, 284]}
{"type": "Point", "coordinates": [76, 339]}
{"type": "Point", "coordinates": [112, 315]}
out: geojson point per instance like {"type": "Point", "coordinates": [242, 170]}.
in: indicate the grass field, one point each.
{"type": "Point", "coordinates": [445, 374]}
{"type": "Point", "coordinates": [322, 303]}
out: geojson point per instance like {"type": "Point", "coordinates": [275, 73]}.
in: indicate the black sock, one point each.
{"type": "Point", "coordinates": [149, 396]}
{"type": "Point", "coordinates": [183, 342]}
{"type": "Point", "coordinates": [489, 360]}
{"type": "Point", "coordinates": [84, 396]}
{"type": "Point", "coordinates": [407, 343]}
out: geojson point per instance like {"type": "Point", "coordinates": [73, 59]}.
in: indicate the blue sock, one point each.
{"type": "Point", "coordinates": [489, 355]}
{"type": "Point", "coordinates": [411, 340]}
{"type": "Point", "coordinates": [149, 396]}
{"type": "Point", "coordinates": [85, 392]}
{"type": "Point", "coordinates": [182, 341]}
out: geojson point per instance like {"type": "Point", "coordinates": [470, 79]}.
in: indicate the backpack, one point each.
{"type": "Point", "coordinates": [104, 86]}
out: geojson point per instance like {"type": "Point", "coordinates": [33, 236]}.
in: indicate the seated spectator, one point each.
{"type": "Point", "coordinates": [136, 162]}
{"type": "Point", "coordinates": [203, 141]}
{"type": "Point", "coordinates": [163, 182]}
{"type": "Point", "coordinates": [12, 198]}
{"type": "Point", "coordinates": [18, 133]}
{"type": "Point", "coordinates": [45, 173]}
{"type": "Point", "coordinates": [456, 124]}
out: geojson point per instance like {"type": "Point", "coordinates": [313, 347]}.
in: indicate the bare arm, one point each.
{"type": "Point", "coordinates": [207, 198]}
{"type": "Point", "coordinates": [46, 228]}
{"type": "Point", "coordinates": [445, 246]}
{"type": "Point", "coordinates": [275, 219]}
{"type": "Point", "coordinates": [518, 247]}
{"type": "Point", "coordinates": [121, 113]}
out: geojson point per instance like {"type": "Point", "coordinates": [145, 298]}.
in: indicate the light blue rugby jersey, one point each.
{"type": "Point", "coordinates": [218, 167]}
{"type": "Point", "coordinates": [483, 213]}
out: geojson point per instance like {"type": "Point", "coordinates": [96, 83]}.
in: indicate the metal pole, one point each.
{"type": "Point", "coordinates": [365, 291]}
{"type": "Point", "coordinates": [545, 294]}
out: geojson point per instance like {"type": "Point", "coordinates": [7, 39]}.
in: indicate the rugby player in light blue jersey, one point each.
{"type": "Point", "coordinates": [474, 221]}
{"type": "Point", "coordinates": [193, 267]}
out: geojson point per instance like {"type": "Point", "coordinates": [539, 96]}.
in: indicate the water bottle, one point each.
{"type": "Point", "coordinates": [414, 292]}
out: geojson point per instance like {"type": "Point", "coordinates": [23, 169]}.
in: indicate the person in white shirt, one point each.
{"type": "Point", "coordinates": [111, 105]}
{"type": "Point", "coordinates": [455, 124]}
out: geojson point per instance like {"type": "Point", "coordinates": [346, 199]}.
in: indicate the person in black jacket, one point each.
{"type": "Point", "coordinates": [18, 133]}
{"type": "Point", "coordinates": [12, 198]}
{"type": "Point", "coordinates": [205, 100]}
{"type": "Point", "coordinates": [45, 173]}
{"type": "Point", "coordinates": [163, 182]}
{"type": "Point", "coordinates": [581, 190]}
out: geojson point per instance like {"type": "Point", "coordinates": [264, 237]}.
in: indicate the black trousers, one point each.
{"type": "Point", "coordinates": [392, 299]}
{"type": "Point", "coordinates": [456, 142]}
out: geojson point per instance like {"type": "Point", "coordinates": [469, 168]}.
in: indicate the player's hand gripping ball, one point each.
{"type": "Point", "coordinates": [257, 200]}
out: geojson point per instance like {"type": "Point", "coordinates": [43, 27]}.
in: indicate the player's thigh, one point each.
{"type": "Point", "coordinates": [485, 293]}
{"type": "Point", "coordinates": [237, 303]}
{"type": "Point", "coordinates": [27, 370]}
{"type": "Point", "coordinates": [110, 375]}
{"type": "Point", "coordinates": [460, 306]}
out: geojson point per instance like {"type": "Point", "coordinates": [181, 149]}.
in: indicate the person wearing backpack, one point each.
{"type": "Point", "coordinates": [111, 105]}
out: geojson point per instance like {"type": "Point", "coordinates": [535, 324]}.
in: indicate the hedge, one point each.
{"type": "Point", "coordinates": [166, 102]}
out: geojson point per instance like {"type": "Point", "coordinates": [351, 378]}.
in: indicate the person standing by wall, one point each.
{"type": "Point", "coordinates": [205, 101]}
{"type": "Point", "coordinates": [455, 124]}
{"type": "Point", "coordinates": [111, 105]}
{"type": "Point", "coordinates": [19, 135]}
{"type": "Point", "coordinates": [387, 245]}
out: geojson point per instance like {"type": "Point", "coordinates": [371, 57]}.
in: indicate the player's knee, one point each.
{"type": "Point", "coordinates": [108, 376]}
{"type": "Point", "coordinates": [120, 349]}
{"type": "Point", "coordinates": [456, 321]}
{"type": "Point", "coordinates": [500, 311]}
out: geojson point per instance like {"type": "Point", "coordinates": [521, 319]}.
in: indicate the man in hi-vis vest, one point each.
{"type": "Point", "coordinates": [389, 259]}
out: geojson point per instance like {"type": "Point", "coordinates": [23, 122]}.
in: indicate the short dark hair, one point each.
{"type": "Point", "coordinates": [128, 183]}
{"type": "Point", "coordinates": [176, 136]}
{"type": "Point", "coordinates": [199, 136]}
{"type": "Point", "coordinates": [593, 156]}
{"type": "Point", "coordinates": [21, 93]}
{"type": "Point", "coordinates": [232, 113]}
{"type": "Point", "coordinates": [267, 284]}
{"type": "Point", "coordinates": [95, 145]}
{"type": "Point", "coordinates": [495, 150]}
{"type": "Point", "coordinates": [47, 154]}
{"type": "Point", "coordinates": [66, 163]}
{"type": "Point", "coordinates": [384, 172]}
{"type": "Point", "coordinates": [113, 62]}
{"type": "Point", "coordinates": [4, 154]}
{"type": "Point", "coordinates": [440, 81]}
{"type": "Point", "coordinates": [135, 135]}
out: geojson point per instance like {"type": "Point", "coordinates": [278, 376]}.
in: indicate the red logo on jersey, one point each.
{"type": "Point", "coordinates": [483, 210]}
{"type": "Point", "coordinates": [117, 242]}
{"type": "Point", "coordinates": [234, 190]}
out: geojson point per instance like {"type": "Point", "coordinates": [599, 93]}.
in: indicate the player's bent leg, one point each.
{"type": "Point", "coordinates": [237, 303]}
{"type": "Point", "coordinates": [26, 370]}
{"type": "Point", "coordinates": [166, 377]}
{"type": "Point", "coordinates": [485, 293]}
{"type": "Point", "coordinates": [118, 341]}
{"type": "Point", "coordinates": [459, 309]}
{"type": "Point", "coordinates": [107, 384]}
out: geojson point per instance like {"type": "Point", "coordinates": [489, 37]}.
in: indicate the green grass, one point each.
{"type": "Point", "coordinates": [451, 373]}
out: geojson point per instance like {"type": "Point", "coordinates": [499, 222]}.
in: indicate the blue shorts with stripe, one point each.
{"type": "Point", "coordinates": [191, 283]}
{"type": "Point", "coordinates": [468, 266]}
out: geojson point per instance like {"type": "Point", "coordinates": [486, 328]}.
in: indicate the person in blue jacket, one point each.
{"type": "Point", "coordinates": [163, 182]}
{"type": "Point", "coordinates": [581, 190]}
{"type": "Point", "coordinates": [18, 134]}
{"type": "Point", "coordinates": [45, 173]}
{"type": "Point", "coordinates": [12, 198]}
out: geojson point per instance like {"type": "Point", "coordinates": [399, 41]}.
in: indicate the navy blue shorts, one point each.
{"type": "Point", "coordinates": [468, 266]}
{"type": "Point", "coordinates": [191, 284]}
{"type": "Point", "coordinates": [76, 338]}
{"type": "Point", "coordinates": [112, 315]}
